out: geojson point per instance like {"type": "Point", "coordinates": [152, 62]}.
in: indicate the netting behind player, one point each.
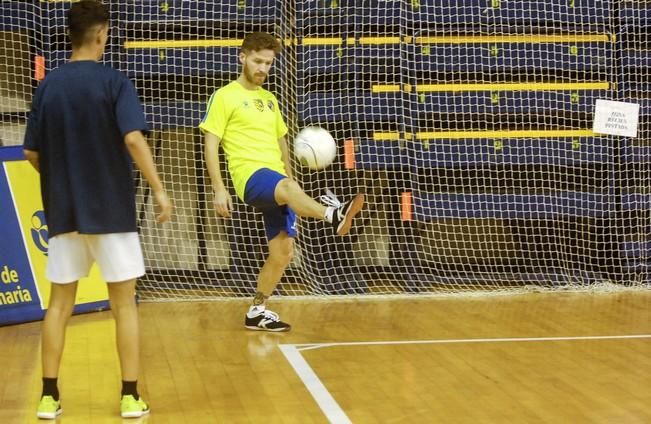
{"type": "Point", "coordinates": [467, 123]}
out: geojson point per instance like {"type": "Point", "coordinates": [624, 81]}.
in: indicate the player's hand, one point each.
{"type": "Point", "coordinates": [164, 206]}
{"type": "Point", "coordinates": [223, 202]}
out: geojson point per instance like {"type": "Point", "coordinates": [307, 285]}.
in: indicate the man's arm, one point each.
{"type": "Point", "coordinates": [282, 142]}
{"type": "Point", "coordinates": [141, 154]}
{"type": "Point", "coordinates": [223, 202]}
{"type": "Point", "coordinates": [32, 157]}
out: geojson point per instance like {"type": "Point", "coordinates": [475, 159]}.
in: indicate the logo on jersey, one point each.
{"type": "Point", "coordinates": [245, 104]}
{"type": "Point", "coordinates": [258, 104]}
{"type": "Point", "coordinates": [270, 105]}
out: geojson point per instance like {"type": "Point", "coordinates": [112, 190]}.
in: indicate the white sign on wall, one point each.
{"type": "Point", "coordinates": [616, 118]}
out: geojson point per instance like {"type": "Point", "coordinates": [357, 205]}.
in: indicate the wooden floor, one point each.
{"type": "Point", "coordinates": [497, 364]}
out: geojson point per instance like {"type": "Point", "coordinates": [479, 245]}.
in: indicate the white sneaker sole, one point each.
{"type": "Point", "coordinates": [136, 414]}
{"type": "Point", "coordinates": [49, 415]}
{"type": "Point", "coordinates": [276, 330]}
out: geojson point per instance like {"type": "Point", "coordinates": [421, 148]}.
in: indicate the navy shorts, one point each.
{"type": "Point", "coordinates": [259, 193]}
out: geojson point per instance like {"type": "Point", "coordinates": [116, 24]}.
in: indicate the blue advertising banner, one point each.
{"type": "Point", "coordinates": [19, 297]}
{"type": "Point", "coordinates": [24, 290]}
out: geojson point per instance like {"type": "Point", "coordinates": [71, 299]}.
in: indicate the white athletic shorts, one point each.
{"type": "Point", "coordinates": [71, 255]}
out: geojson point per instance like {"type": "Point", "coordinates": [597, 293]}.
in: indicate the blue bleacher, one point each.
{"type": "Point", "coordinates": [343, 64]}
{"type": "Point", "coordinates": [373, 154]}
{"type": "Point", "coordinates": [502, 12]}
{"type": "Point", "coordinates": [378, 13]}
{"type": "Point", "coordinates": [348, 106]}
{"type": "Point", "coordinates": [636, 13]}
{"type": "Point", "coordinates": [636, 201]}
{"type": "Point", "coordinates": [544, 103]}
{"type": "Point", "coordinates": [186, 61]}
{"type": "Point", "coordinates": [383, 107]}
{"type": "Point", "coordinates": [500, 57]}
{"type": "Point", "coordinates": [636, 248]}
{"type": "Point", "coordinates": [321, 60]}
{"type": "Point", "coordinates": [315, 108]}
{"type": "Point", "coordinates": [469, 153]}
{"type": "Point", "coordinates": [567, 152]}
{"type": "Point", "coordinates": [327, 17]}
{"type": "Point", "coordinates": [181, 61]}
{"type": "Point", "coordinates": [323, 18]}
{"type": "Point", "coordinates": [632, 86]}
{"type": "Point", "coordinates": [18, 16]}
{"type": "Point", "coordinates": [188, 13]}
{"type": "Point", "coordinates": [632, 59]}
{"type": "Point", "coordinates": [148, 11]}
{"type": "Point", "coordinates": [639, 150]}
{"type": "Point", "coordinates": [428, 206]}
{"type": "Point", "coordinates": [634, 67]}
{"type": "Point", "coordinates": [385, 59]}
{"type": "Point", "coordinates": [634, 30]}
{"type": "Point", "coordinates": [165, 116]}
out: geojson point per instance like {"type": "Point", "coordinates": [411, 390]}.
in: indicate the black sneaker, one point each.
{"type": "Point", "coordinates": [342, 218]}
{"type": "Point", "coordinates": [265, 320]}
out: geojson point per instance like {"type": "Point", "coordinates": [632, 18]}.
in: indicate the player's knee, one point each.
{"type": "Point", "coordinates": [289, 255]}
{"type": "Point", "coordinates": [284, 190]}
{"type": "Point", "coordinates": [283, 253]}
{"type": "Point", "coordinates": [285, 256]}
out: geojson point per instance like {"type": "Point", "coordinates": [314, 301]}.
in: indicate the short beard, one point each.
{"type": "Point", "coordinates": [250, 77]}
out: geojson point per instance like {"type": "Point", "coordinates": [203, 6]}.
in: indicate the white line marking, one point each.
{"type": "Point", "coordinates": [329, 405]}
{"type": "Point", "coordinates": [310, 346]}
{"type": "Point", "coordinates": [323, 398]}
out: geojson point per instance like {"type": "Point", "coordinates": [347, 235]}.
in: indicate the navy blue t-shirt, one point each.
{"type": "Point", "coordinates": [80, 114]}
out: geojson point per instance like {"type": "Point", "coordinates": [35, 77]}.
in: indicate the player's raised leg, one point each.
{"type": "Point", "coordinates": [339, 214]}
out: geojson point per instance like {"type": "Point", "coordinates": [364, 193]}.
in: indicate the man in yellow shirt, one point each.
{"type": "Point", "coordinates": [246, 120]}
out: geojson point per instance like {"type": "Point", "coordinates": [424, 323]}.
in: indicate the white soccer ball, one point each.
{"type": "Point", "coordinates": [315, 148]}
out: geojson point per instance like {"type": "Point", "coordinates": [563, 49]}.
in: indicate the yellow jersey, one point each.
{"type": "Point", "coordinates": [249, 124]}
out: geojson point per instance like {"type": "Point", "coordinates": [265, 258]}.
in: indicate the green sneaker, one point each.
{"type": "Point", "coordinates": [132, 408]}
{"type": "Point", "coordinates": [48, 408]}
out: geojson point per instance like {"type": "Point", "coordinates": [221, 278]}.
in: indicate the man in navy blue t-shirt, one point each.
{"type": "Point", "coordinates": [85, 127]}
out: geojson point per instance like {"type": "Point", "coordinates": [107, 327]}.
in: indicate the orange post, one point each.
{"type": "Point", "coordinates": [39, 68]}
{"type": "Point", "coordinates": [349, 154]}
{"type": "Point", "coordinates": [406, 206]}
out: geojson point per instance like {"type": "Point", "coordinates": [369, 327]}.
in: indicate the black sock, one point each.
{"type": "Point", "coordinates": [130, 388]}
{"type": "Point", "coordinates": [50, 388]}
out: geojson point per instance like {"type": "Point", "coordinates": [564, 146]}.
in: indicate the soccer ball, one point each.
{"type": "Point", "coordinates": [315, 148]}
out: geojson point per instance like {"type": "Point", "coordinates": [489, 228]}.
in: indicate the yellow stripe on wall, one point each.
{"type": "Point", "coordinates": [379, 40]}
{"type": "Point", "coordinates": [179, 44]}
{"type": "Point", "coordinates": [480, 39]}
{"type": "Point", "coordinates": [526, 86]}
{"type": "Point", "coordinates": [503, 134]}
{"type": "Point", "coordinates": [440, 135]}
{"type": "Point", "coordinates": [322, 41]}
{"type": "Point", "coordinates": [387, 136]}
{"type": "Point", "coordinates": [531, 86]}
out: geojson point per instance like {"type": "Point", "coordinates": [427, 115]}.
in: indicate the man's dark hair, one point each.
{"type": "Point", "coordinates": [257, 41]}
{"type": "Point", "coordinates": [83, 17]}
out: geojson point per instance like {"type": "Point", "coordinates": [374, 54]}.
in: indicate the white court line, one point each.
{"type": "Point", "coordinates": [329, 405]}
{"type": "Point", "coordinates": [321, 395]}
{"type": "Point", "coordinates": [310, 346]}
